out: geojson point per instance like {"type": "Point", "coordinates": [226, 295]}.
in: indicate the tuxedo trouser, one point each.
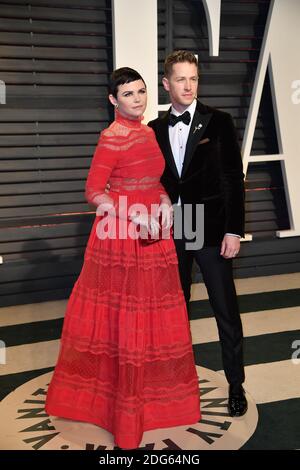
{"type": "Point", "coordinates": [218, 278]}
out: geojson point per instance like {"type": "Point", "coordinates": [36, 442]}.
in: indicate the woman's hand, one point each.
{"type": "Point", "coordinates": [166, 212]}
{"type": "Point", "coordinates": [105, 204]}
{"type": "Point", "coordinates": [147, 223]}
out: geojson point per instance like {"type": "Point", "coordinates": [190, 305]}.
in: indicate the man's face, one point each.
{"type": "Point", "coordinates": [182, 84]}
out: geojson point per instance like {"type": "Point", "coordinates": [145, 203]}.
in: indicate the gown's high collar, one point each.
{"type": "Point", "coordinates": [133, 123]}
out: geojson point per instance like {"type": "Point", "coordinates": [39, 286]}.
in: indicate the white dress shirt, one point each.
{"type": "Point", "coordinates": [178, 136]}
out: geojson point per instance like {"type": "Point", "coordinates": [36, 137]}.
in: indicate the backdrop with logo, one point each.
{"type": "Point", "coordinates": [54, 65]}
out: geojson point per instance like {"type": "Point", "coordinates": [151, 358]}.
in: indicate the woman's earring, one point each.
{"type": "Point", "coordinates": [116, 105]}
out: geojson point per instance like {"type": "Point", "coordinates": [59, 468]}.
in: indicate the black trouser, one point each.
{"type": "Point", "coordinates": [218, 279]}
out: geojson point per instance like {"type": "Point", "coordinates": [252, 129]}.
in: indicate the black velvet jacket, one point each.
{"type": "Point", "coordinates": [212, 171]}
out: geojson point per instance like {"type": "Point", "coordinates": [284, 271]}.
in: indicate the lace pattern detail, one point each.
{"type": "Point", "coordinates": [130, 385]}
{"type": "Point", "coordinates": [134, 184]}
{"type": "Point", "coordinates": [126, 358]}
{"type": "Point", "coordinates": [128, 159]}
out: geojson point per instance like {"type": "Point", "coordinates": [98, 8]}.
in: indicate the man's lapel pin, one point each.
{"type": "Point", "coordinates": [197, 128]}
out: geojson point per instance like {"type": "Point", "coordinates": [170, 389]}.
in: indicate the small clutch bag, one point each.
{"type": "Point", "coordinates": [147, 238]}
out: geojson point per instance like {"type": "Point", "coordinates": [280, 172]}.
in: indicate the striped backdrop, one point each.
{"type": "Point", "coordinates": [270, 311]}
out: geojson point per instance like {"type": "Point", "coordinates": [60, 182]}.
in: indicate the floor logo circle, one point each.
{"type": "Point", "coordinates": [26, 425]}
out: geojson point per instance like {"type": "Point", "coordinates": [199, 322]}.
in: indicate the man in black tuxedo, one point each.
{"type": "Point", "coordinates": [203, 166]}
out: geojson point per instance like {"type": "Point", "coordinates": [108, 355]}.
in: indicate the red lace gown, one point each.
{"type": "Point", "coordinates": [126, 361]}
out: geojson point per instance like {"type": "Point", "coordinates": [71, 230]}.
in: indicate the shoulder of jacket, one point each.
{"type": "Point", "coordinates": [160, 118]}
{"type": "Point", "coordinates": [214, 111]}
{"type": "Point", "coordinates": [221, 114]}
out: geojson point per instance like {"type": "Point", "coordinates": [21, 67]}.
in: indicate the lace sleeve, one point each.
{"type": "Point", "coordinates": [164, 197]}
{"type": "Point", "coordinates": [103, 162]}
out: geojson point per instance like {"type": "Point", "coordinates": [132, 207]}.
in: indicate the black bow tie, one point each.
{"type": "Point", "coordinates": [185, 118]}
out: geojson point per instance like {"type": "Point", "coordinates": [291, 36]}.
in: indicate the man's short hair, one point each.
{"type": "Point", "coordinates": [178, 56]}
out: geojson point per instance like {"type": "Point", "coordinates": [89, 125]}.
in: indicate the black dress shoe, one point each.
{"type": "Point", "coordinates": [237, 402]}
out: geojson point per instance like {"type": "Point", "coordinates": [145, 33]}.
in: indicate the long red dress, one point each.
{"type": "Point", "coordinates": [126, 361]}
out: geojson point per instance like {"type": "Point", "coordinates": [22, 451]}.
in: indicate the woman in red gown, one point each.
{"type": "Point", "coordinates": [126, 361]}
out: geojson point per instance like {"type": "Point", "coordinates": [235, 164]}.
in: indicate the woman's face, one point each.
{"type": "Point", "coordinates": [131, 99]}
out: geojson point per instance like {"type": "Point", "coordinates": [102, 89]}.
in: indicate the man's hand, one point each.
{"type": "Point", "coordinates": [230, 246]}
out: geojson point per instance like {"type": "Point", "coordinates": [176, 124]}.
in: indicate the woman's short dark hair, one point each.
{"type": "Point", "coordinates": [121, 76]}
